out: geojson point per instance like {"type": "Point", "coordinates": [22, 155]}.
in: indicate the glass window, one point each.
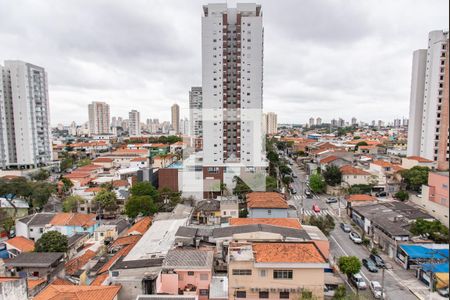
{"type": "Point", "coordinates": [263, 295]}
{"type": "Point", "coordinates": [284, 295]}
{"type": "Point", "coordinates": [242, 272]}
{"type": "Point", "coordinates": [282, 274]}
{"type": "Point", "coordinates": [241, 294]}
{"type": "Point", "coordinates": [204, 292]}
{"type": "Point", "coordinates": [190, 273]}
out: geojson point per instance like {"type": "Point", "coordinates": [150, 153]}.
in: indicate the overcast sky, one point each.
{"type": "Point", "coordinates": [322, 58]}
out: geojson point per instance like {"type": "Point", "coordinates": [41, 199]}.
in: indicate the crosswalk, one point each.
{"type": "Point", "coordinates": [300, 197]}
{"type": "Point", "coordinates": [322, 212]}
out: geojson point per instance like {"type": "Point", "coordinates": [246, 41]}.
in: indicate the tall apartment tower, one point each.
{"type": "Point", "coordinates": [318, 121]}
{"type": "Point", "coordinates": [271, 125]}
{"type": "Point", "coordinates": [25, 116]}
{"type": "Point", "coordinates": [195, 111]}
{"type": "Point", "coordinates": [354, 121]}
{"type": "Point", "coordinates": [134, 123]}
{"type": "Point", "coordinates": [175, 118]}
{"type": "Point", "coordinates": [311, 122]}
{"type": "Point", "coordinates": [99, 119]}
{"type": "Point", "coordinates": [428, 128]}
{"type": "Point", "coordinates": [232, 84]}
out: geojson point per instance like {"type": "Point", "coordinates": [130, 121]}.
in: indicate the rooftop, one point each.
{"type": "Point", "coordinates": [285, 232]}
{"type": "Point", "coordinates": [360, 197]}
{"type": "Point", "coordinates": [35, 259]}
{"type": "Point", "coordinates": [382, 163]}
{"type": "Point", "coordinates": [21, 243]}
{"type": "Point", "coordinates": [18, 203]}
{"type": "Point", "coordinates": [73, 265]}
{"type": "Point", "coordinates": [78, 292]}
{"type": "Point", "coordinates": [287, 253]}
{"type": "Point", "coordinates": [188, 259]}
{"type": "Point", "coordinates": [73, 219]}
{"type": "Point", "coordinates": [280, 222]}
{"type": "Point", "coordinates": [266, 200]}
{"type": "Point", "coordinates": [39, 219]}
{"type": "Point", "coordinates": [349, 170]}
{"type": "Point", "coordinates": [420, 159]}
{"type": "Point", "coordinates": [141, 226]}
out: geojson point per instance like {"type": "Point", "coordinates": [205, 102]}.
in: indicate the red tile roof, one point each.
{"type": "Point", "coordinates": [140, 226]}
{"type": "Point", "coordinates": [78, 292]}
{"type": "Point", "coordinates": [59, 281]}
{"type": "Point", "coordinates": [360, 197]}
{"type": "Point", "coordinates": [103, 160]}
{"type": "Point", "coordinates": [287, 253]}
{"type": "Point", "coordinates": [382, 163]}
{"type": "Point", "coordinates": [122, 252]}
{"type": "Point", "coordinates": [73, 219]}
{"type": "Point", "coordinates": [119, 183]}
{"type": "Point", "coordinates": [21, 243]}
{"type": "Point", "coordinates": [420, 159]}
{"type": "Point", "coordinates": [139, 159]}
{"type": "Point", "coordinates": [328, 159]}
{"type": "Point", "coordinates": [100, 279]}
{"type": "Point", "coordinates": [266, 200]}
{"type": "Point", "coordinates": [75, 264]}
{"type": "Point", "coordinates": [32, 283]}
{"type": "Point", "coordinates": [349, 170]}
{"type": "Point", "coordinates": [279, 222]}
{"type": "Point", "coordinates": [126, 240]}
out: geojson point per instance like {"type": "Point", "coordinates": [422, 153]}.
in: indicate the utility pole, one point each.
{"type": "Point", "coordinates": [382, 282]}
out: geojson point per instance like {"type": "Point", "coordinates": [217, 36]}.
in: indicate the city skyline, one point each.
{"type": "Point", "coordinates": [319, 81]}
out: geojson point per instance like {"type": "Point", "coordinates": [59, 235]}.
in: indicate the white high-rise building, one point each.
{"type": "Point", "coordinates": [354, 121]}
{"type": "Point", "coordinates": [184, 126]}
{"type": "Point", "coordinates": [272, 123]}
{"type": "Point", "coordinates": [428, 127]}
{"type": "Point", "coordinates": [311, 122]}
{"type": "Point", "coordinates": [195, 111]}
{"type": "Point", "coordinates": [175, 118]}
{"type": "Point", "coordinates": [99, 118]}
{"type": "Point", "coordinates": [318, 121]}
{"type": "Point", "coordinates": [134, 123]}
{"type": "Point", "coordinates": [25, 116]}
{"type": "Point", "coordinates": [232, 84]}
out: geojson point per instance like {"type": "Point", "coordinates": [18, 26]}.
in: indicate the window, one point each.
{"type": "Point", "coordinates": [262, 273]}
{"type": "Point", "coordinates": [190, 273]}
{"type": "Point", "coordinates": [282, 274]}
{"type": "Point", "coordinates": [41, 230]}
{"type": "Point", "coordinates": [213, 170]}
{"type": "Point", "coordinates": [115, 273]}
{"type": "Point", "coordinates": [204, 276]}
{"type": "Point", "coordinates": [204, 292]}
{"type": "Point", "coordinates": [284, 295]}
{"type": "Point", "coordinates": [241, 294]}
{"type": "Point", "coordinates": [31, 229]}
{"type": "Point", "coordinates": [263, 295]}
{"type": "Point", "coordinates": [242, 272]}
{"type": "Point", "coordinates": [269, 212]}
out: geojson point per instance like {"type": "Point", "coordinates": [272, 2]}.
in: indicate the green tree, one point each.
{"type": "Point", "coordinates": [6, 222]}
{"type": "Point", "coordinates": [241, 188]}
{"type": "Point", "coordinates": [340, 293]}
{"type": "Point", "coordinates": [40, 193]}
{"type": "Point", "coordinates": [272, 156]}
{"type": "Point", "coordinates": [317, 183]}
{"type": "Point", "coordinates": [325, 224]}
{"type": "Point", "coordinates": [271, 183]}
{"type": "Point", "coordinates": [435, 230]}
{"type": "Point", "coordinates": [168, 199]}
{"type": "Point", "coordinates": [332, 175]}
{"type": "Point", "coordinates": [144, 188]}
{"type": "Point", "coordinates": [84, 162]}
{"type": "Point", "coordinates": [67, 184]}
{"type": "Point", "coordinates": [402, 195]}
{"type": "Point", "coordinates": [40, 175]}
{"type": "Point", "coordinates": [70, 203]}
{"type": "Point", "coordinates": [140, 205]}
{"type": "Point", "coordinates": [415, 177]}
{"type": "Point", "coordinates": [349, 265]}
{"type": "Point", "coordinates": [360, 189]}
{"type": "Point", "coordinates": [51, 241]}
{"type": "Point", "coordinates": [287, 180]}
{"type": "Point", "coordinates": [285, 170]}
{"type": "Point", "coordinates": [106, 200]}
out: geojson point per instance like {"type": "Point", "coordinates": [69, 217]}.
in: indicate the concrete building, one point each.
{"type": "Point", "coordinates": [232, 80]}
{"type": "Point", "coordinates": [99, 118]}
{"type": "Point", "coordinates": [272, 123]}
{"type": "Point", "coordinates": [311, 122]}
{"type": "Point", "coordinates": [428, 115]}
{"type": "Point", "coordinates": [175, 109]}
{"type": "Point", "coordinates": [24, 116]}
{"type": "Point", "coordinates": [318, 121]}
{"type": "Point", "coordinates": [195, 111]}
{"type": "Point", "coordinates": [134, 123]}
{"type": "Point", "coordinates": [184, 126]}
{"type": "Point", "coordinates": [354, 121]}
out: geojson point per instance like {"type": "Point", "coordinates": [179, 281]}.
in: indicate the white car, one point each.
{"type": "Point", "coordinates": [358, 281]}
{"type": "Point", "coordinates": [355, 237]}
{"type": "Point", "coordinates": [376, 289]}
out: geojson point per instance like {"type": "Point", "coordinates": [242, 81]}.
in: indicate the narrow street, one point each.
{"type": "Point", "coordinates": [398, 281]}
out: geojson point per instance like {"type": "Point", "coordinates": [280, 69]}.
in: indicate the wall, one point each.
{"type": "Point", "coordinates": [267, 213]}
{"type": "Point", "coordinates": [168, 178]}
{"type": "Point", "coordinates": [355, 179]}
{"type": "Point", "coordinates": [14, 289]}
{"type": "Point", "coordinates": [439, 186]}
{"type": "Point", "coordinates": [436, 210]}
{"type": "Point", "coordinates": [184, 279]}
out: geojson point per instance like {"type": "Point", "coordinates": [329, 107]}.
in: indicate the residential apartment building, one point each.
{"type": "Point", "coordinates": [318, 121]}
{"type": "Point", "coordinates": [134, 123]}
{"type": "Point", "coordinates": [232, 81]}
{"type": "Point", "coordinates": [195, 111]}
{"type": "Point", "coordinates": [275, 270]}
{"type": "Point", "coordinates": [428, 115]}
{"type": "Point", "coordinates": [99, 118]}
{"type": "Point", "coordinates": [270, 125]}
{"type": "Point", "coordinates": [24, 116]}
{"type": "Point", "coordinates": [175, 109]}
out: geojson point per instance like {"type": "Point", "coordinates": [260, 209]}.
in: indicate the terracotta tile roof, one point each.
{"type": "Point", "coordinates": [279, 222]}
{"type": "Point", "coordinates": [21, 243]}
{"type": "Point", "coordinates": [134, 151]}
{"type": "Point", "coordinates": [420, 159]}
{"type": "Point", "coordinates": [9, 177]}
{"type": "Point", "coordinates": [6, 279]}
{"type": "Point", "coordinates": [360, 197]}
{"type": "Point", "coordinates": [368, 147]}
{"type": "Point", "coordinates": [78, 292]}
{"type": "Point", "coordinates": [99, 279]}
{"type": "Point", "coordinates": [59, 281]}
{"type": "Point", "coordinates": [159, 145]}
{"type": "Point", "coordinates": [73, 219]}
{"type": "Point", "coordinates": [88, 168]}
{"type": "Point", "coordinates": [349, 170]}
{"type": "Point", "coordinates": [266, 200]}
{"type": "Point", "coordinates": [397, 168]}
{"type": "Point", "coordinates": [103, 160]}
{"type": "Point", "coordinates": [126, 240]}
{"type": "Point", "coordinates": [328, 159]}
{"type": "Point", "coordinates": [32, 283]}
{"type": "Point", "coordinates": [382, 163]}
{"type": "Point", "coordinates": [140, 226]}
{"type": "Point", "coordinates": [95, 189]}
{"type": "Point", "coordinates": [119, 183]}
{"type": "Point", "coordinates": [287, 253]}
{"type": "Point", "coordinates": [139, 159]}
{"type": "Point", "coordinates": [77, 175]}
{"type": "Point", "coordinates": [77, 263]}
{"type": "Point", "coordinates": [122, 252]}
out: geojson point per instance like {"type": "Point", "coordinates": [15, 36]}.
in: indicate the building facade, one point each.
{"type": "Point", "coordinates": [99, 118]}
{"type": "Point", "coordinates": [175, 118]}
{"type": "Point", "coordinates": [134, 123]}
{"type": "Point", "coordinates": [428, 126]}
{"type": "Point", "coordinates": [25, 116]}
{"type": "Point", "coordinates": [195, 111]}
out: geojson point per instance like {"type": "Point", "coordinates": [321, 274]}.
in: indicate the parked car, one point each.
{"type": "Point", "coordinates": [316, 208]}
{"type": "Point", "coordinates": [381, 194]}
{"type": "Point", "coordinates": [293, 191]}
{"type": "Point", "coordinates": [345, 227]}
{"type": "Point", "coordinates": [443, 292]}
{"type": "Point", "coordinates": [358, 281]}
{"type": "Point", "coordinates": [294, 176]}
{"type": "Point", "coordinates": [379, 262]}
{"type": "Point", "coordinates": [376, 289]}
{"type": "Point", "coordinates": [308, 194]}
{"type": "Point", "coordinates": [370, 265]}
{"type": "Point", "coordinates": [331, 200]}
{"type": "Point", "coordinates": [355, 237]}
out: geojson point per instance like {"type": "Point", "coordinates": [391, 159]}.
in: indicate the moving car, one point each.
{"type": "Point", "coordinates": [370, 265]}
{"type": "Point", "coordinates": [345, 227]}
{"type": "Point", "coordinates": [376, 289]}
{"type": "Point", "coordinates": [381, 194]}
{"type": "Point", "coordinates": [294, 176]}
{"type": "Point", "coordinates": [358, 281]}
{"type": "Point", "coordinates": [293, 191]}
{"type": "Point", "coordinates": [331, 200]}
{"type": "Point", "coordinates": [379, 262]}
{"type": "Point", "coordinates": [355, 237]}
{"type": "Point", "coordinates": [316, 208]}
{"type": "Point", "coordinates": [308, 194]}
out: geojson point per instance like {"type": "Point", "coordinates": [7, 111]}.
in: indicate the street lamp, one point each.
{"type": "Point", "coordinates": [386, 266]}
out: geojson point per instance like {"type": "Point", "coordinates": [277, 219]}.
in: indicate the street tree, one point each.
{"type": "Point", "coordinates": [317, 183]}
{"type": "Point", "coordinates": [106, 200]}
{"type": "Point", "coordinates": [40, 175]}
{"type": "Point", "coordinates": [332, 175]}
{"type": "Point", "coordinates": [51, 241]}
{"type": "Point", "coordinates": [144, 188]}
{"type": "Point", "coordinates": [70, 203]}
{"type": "Point", "coordinates": [271, 184]}
{"type": "Point", "coordinates": [402, 195]}
{"type": "Point", "coordinates": [415, 177]}
{"type": "Point", "coordinates": [143, 205]}
{"type": "Point", "coordinates": [349, 265]}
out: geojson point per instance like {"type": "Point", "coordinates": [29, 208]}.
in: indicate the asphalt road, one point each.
{"type": "Point", "coordinates": [396, 281]}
